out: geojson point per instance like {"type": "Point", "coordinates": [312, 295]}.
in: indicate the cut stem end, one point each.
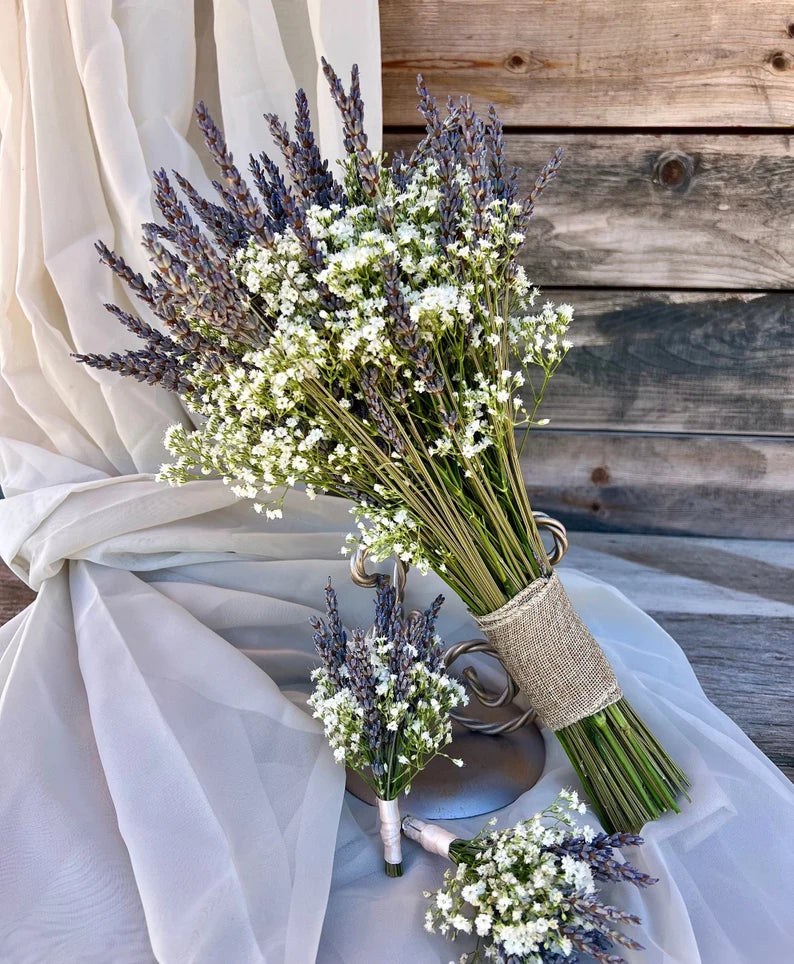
{"type": "Point", "coordinates": [627, 774]}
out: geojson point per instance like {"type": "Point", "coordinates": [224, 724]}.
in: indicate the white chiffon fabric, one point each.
{"type": "Point", "coordinates": [164, 796]}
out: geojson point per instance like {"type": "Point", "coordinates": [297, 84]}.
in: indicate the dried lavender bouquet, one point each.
{"type": "Point", "coordinates": [374, 337]}
{"type": "Point", "coordinates": [384, 699]}
{"type": "Point", "coordinates": [529, 892]}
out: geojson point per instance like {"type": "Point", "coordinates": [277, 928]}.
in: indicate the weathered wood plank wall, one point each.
{"type": "Point", "coordinates": [670, 229]}
{"type": "Point", "coordinates": [604, 63]}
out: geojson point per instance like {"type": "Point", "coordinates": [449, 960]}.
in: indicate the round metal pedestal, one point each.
{"type": "Point", "coordinates": [496, 771]}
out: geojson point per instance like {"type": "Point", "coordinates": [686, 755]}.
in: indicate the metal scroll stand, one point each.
{"type": "Point", "coordinates": [503, 751]}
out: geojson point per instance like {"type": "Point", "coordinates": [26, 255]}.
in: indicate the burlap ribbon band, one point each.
{"type": "Point", "coordinates": [551, 654]}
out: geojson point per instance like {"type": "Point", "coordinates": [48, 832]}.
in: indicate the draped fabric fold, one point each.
{"type": "Point", "coordinates": [164, 795]}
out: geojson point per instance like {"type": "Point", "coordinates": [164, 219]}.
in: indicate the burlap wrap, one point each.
{"type": "Point", "coordinates": [551, 654]}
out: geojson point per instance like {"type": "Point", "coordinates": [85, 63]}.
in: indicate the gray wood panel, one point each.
{"type": "Point", "coordinates": [14, 594]}
{"type": "Point", "coordinates": [629, 63]}
{"type": "Point", "coordinates": [729, 603]}
{"type": "Point", "coordinates": [677, 362]}
{"type": "Point", "coordinates": [685, 484]}
{"type": "Point", "coordinates": [693, 576]}
{"type": "Point", "coordinates": [668, 211]}
{"type": "Point", "coordinates": [761, 653]}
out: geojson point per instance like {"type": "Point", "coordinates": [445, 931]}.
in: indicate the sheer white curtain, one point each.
{"type": "Point", "coordinates": [162, 796]}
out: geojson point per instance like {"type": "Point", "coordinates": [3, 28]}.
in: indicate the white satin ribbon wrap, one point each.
{"type": "Point", "coordinates": [431, 837]}
{"type": "Point", "coordinates": [162, 796]}
{"type": "Point", "coordinates": [389, 813]}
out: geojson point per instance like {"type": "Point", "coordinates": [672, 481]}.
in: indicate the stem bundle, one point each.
{"type": "Point", "coordinates": [628, 776]}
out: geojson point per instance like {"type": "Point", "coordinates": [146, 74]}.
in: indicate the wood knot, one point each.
{"type": "Point", "coordinates": [673, 171]}
{"type": "Point", "coordinates": [780, 60]}
{"type": "Point", "coordinates": [790, 29]}
{"type": "Point", "coordinates": [517, 62]}
{"type": "Point", "coordinates": [600, 475]}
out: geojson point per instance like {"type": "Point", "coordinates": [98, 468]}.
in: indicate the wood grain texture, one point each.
{"type": "Point", "coordinates": [684, 575]}
{"type": "Point", "coordinates": [677, 362]}
{"type": "Point", "coordinates": [675, 484]}
{"type": "Point", "coordinates": [14, 595]}
{"type": "Point", "coordinates": [658, 210]}
{"type": "Point", "coordinates": [760, 654]}
{"type": "Point", "coordinates": [729, 603]}
{"type": "Point", "coordinates": [632, 63]}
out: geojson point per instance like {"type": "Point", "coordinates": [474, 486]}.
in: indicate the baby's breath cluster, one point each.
{"type": "Point", "coordinates": [383, 696]}
{"type": "Point", "coordinates": [528, 893]}
{"type": "Point", "coordinates": [392, 342]}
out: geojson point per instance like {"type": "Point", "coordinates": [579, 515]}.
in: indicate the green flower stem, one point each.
{"type": "Point", "coordinates": [626, 773]}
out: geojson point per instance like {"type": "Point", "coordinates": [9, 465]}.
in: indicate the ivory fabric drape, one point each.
{"type": "Point", "coordinates": [163, 794]}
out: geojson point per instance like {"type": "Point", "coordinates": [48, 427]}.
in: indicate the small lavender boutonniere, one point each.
{"type": "Point", "coordinates": [529, 892]}
{"type": "Point", "coordinates": [384, 698]}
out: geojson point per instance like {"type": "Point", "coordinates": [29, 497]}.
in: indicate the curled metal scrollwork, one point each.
{"type": "Point", "coordinates": [367, 580]}
{"type": "Point", "coordinates": [361, 577]}
{"type": "Point", "coordinates": [466, 648]}
{"type": "Point", "coordinates": [558, 533]}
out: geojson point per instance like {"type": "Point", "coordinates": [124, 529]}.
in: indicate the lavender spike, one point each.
{"type": "Point", "coordinates": [237, 193]}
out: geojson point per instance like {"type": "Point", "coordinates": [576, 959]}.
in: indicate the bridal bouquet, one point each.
{"type": "Point", "coordinates": [372, 336]}
{"type": "Point", "coordinates": [529, 892]}
{"type": "Point", "coordinates": [384, 700]}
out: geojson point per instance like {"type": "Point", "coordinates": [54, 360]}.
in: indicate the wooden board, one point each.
{"type": "Point", "coordinates": [628, 63]}
{"type": "Point", "coordinates": [662, 211]}
{"type": "Point", "coordinates": [729, 604]}
{"type": "Point", "coordinates": [762, 655]}
{"type": "Point", "coordinates": [641, 482]}
{"type": "Point", "coordinates": [677, 362]}
{"type": "Point", "coordinates": [692, 576]}
{"type": "Point", "coordinates": [14, 594]}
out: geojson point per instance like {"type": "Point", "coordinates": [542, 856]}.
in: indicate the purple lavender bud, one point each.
{"type": "Point", "coordinates": [385, 598]}
{"type": "Point", "coordinates": [399, 173]}
{"type": "Point", "coordinates": [362, 683]}
{"type": "Point", "coordinates": [323, 188]}
{"type": "Point", "coordinates": [134, 280]}
{"type": "Point", "coordinates": [475, 154]}
{"type": "Point", "coordinates": [216, 296]}
{"type": "Point", "coordinates": [140, 328]}
{"type": "Point", "coordinates": [352, 110]}
{"type": "Point", "coordinates": [406, 333]}
{"type": "Point", "coordinates": [501, 184]}
{"type": "Point", "coordinates": [271, 186]}
{"type": "Point", "coordinates": [295, 215]}
{"type": "Point", "coordinates": [305, 165]}
{"type": "Point", "coordinates": [227, 229]}
{"type": "Point", "coordinates": [338, 633]}
{"type": "Point", "coordinates": [148, 365]}
{"type": "Point", "coordinates": [598, 853]}
{"type": "Point", "coordinates": [426, 370]}
{"type": "Point", "coordinates": [428, 108]}
{"type": "Point", "coordinates": [385, 424]}
{"type": "Point", "coordinates": [542, 181]}
{"type": "Point", "coordinates": [592, 943]}
{"type": "Point", "coordinates": [235, 191]}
